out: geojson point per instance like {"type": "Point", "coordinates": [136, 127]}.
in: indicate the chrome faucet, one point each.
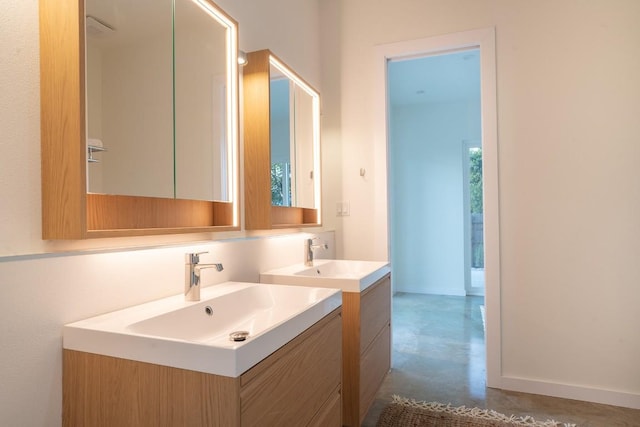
{"type": "Point", "coordinates": [309, 247]}
{"type": "Point", "coordinates": [192, 269]}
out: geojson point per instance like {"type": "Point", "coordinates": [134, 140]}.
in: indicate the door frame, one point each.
{"type": "Point", "coordinates": [484, 39]}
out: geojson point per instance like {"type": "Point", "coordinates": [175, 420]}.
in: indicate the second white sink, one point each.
{"type": "Point", "coordinates": [347, 275]}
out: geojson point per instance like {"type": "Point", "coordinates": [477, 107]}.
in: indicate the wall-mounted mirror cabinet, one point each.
{"type": "Point", "coordinates": [139, 118]}
{"type": "Point", "coordinates": [281, 146]}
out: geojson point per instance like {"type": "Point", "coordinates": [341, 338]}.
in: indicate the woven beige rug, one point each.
{"type": "Point", "coordinates": [403, 412]}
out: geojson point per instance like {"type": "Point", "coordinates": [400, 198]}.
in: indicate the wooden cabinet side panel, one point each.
{"type": "Point", "coordinates": [108, 391]}
{"type": "Point", "coordinates": [63, 154]}
{"type": "Point", "coordinates": [296, 385]}
{"type": "Point", "coordinates": [100, 391]}
{"type": "Point", "coordinates": [257, 142]}
{"type": "Point", "coordinates": [375, 311]}
{"type": "Point", "coordinates": [80, 385]}
{"type": "Point", "coordinates": [350, 358]}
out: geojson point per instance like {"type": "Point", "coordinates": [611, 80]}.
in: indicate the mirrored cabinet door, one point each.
{"type": "Point", "coordinates": [203, 89]}
{"type": "Point", "coordinates": [157, 92]}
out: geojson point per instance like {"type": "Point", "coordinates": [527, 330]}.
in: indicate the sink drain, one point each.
{"type": "Point", "coordinates": [238, 335]}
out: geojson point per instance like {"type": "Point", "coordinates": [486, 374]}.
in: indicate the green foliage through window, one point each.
{"type": "Point", "coordinates": [475, 194]}
{"type": "Point", "coordinates": [279, 181]}
{"type": "Point", "coordinates": [475, 179]}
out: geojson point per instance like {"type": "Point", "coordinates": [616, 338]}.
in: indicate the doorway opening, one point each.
{"type": "Point", "coordinates": [435, 169]}
{"type": "Point", "coordinates": [447, 258]}
{"type": "Point", "coordinates": [434, 105]}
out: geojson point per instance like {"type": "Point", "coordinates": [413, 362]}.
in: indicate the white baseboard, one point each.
{"type": "Point", "coordinates": [433, 291]}
{"type": "Point", "coordinates": [607, 397]}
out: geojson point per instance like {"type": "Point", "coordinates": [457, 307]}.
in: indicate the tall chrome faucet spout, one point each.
{"type": "Point", "coordinates": [309, 247]}
{"type": "Point", "coordinates": [192, 269]}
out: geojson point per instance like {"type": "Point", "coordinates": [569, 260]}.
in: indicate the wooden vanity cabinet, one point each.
{"type": "Point", "coordinates": [366, 342]}
{"type": "Point", "coordinates": [298, 385]}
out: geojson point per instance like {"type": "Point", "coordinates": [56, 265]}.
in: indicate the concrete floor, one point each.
{"type": "Point", "coordinates": [439, 355]}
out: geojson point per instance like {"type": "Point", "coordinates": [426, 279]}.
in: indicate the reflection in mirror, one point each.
{"type": "Point", "coordinates": [279, 103]}
{"type": "Point", "coordinates": [160, 79]}
{"type": "Point", "coordinates": [295, 139]}
{"type": "Point", "coordinates": [201, 93]}
{"type": "Point", "coordinates": [305, 126]}
{"type": "Point", "coordinates": [130, 97]}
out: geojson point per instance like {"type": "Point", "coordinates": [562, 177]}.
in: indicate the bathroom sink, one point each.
{"type": "Point", "coordinates": [347, 275]}
{"type": "Point", "coordinates": [196, 335]}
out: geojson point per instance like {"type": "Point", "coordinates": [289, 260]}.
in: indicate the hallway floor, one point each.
{"type": "Point", "coordinates": [439, 355]}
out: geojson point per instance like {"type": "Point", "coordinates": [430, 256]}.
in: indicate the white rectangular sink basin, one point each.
{"type": "Point", "coordinates": [347, 275]}
{"type": "Point", "coordinates": [195, 335]}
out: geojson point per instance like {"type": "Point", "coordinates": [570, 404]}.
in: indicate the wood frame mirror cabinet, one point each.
{"type": "Point", "coordinates": [68, 210]}
{"type": "Point", "coordinates": [301, 141]}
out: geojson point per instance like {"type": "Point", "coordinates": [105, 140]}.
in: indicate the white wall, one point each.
{"type": "Point", "coordinates": [568, 97]}
{"type": "Point", "coordinates": [426, 197]}
{"type": "Point", "coordinates": [44, 285]}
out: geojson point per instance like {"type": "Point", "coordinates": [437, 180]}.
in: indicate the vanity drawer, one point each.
{"type": "Point", "coordinates": [330, 414]}
{"type": "Point", "coordinates": [375, 311]}
{"type": "Point", "coordinates": [291, 386]}
{"type": "Point", "coordinates": [374, 365]}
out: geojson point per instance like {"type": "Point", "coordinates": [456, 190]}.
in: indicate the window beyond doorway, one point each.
{"type": "Point", "coordinates": [474, 218]}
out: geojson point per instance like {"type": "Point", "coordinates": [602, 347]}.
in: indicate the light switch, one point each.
{"type": "Point", "coordinates": [342, 209]}
{"type": "Point", "coordinates": [345, 209]}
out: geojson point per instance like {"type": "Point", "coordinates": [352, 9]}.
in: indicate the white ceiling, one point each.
{"type": "Point", "coordinates": [435, 78]}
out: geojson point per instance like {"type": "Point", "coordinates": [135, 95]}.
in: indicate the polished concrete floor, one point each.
{"type": "Point", "coordinates": [439, 355]}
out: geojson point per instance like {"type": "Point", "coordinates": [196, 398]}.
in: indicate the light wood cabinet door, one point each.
{"type": "Point", "coordinates": [331, 413]}
{"type": "Point", "coordinates": [374, 366]}
{"type": "Point", "coordinates": [375, 312]}
{"type": "Point", "coordinates": [291, 386]}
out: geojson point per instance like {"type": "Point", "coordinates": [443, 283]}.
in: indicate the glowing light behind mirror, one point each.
{"type": "Point", "coordinates": [316, 156]}
{"type": "Point", "coordinates": [316, 127]}
{"type": "Point", "coordinates": [232, 105]}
